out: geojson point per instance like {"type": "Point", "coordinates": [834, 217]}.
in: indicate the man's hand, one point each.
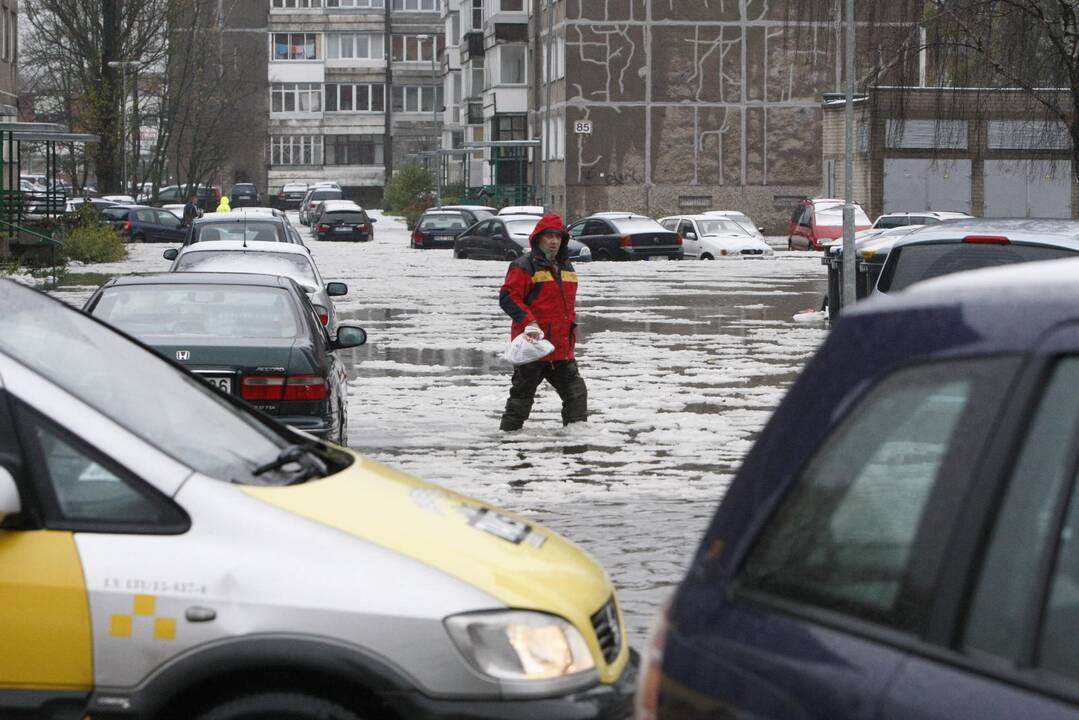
{"type": "Point", "coordinates": [533, 333]}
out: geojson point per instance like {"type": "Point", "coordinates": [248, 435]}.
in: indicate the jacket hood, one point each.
{"type": "Point", "coordinates": [551, 221]}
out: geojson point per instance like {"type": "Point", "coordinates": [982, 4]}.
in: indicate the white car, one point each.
{"type": "Point", "coordinates": [523, 210]}
{"type": "Point", "coordinates": [743, 220]}
{"type": "Point", "coordinates": [929, 217]}
{"type": "Point", "coordinates": [265, 258]}
{"type": "Point", "coordinates": [711, 237]}
{"type": "Point", "coordinates": [119, 199]}
{"type": "Point", "coordinates": [176, 209]}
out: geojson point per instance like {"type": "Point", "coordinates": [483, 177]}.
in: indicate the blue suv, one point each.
{"type": "Point", "coordinates": [902, 542]}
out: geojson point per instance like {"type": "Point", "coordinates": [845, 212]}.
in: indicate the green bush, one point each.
{"type": "Point", "coordinates": [408, 185]}
{"type": "Point", "coordinates": [416, 208]}
{"type": "Point", "coordinates": [93, 244]}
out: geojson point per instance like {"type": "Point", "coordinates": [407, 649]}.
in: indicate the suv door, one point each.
{"type": "Point", "coordinates": [1008, 645]}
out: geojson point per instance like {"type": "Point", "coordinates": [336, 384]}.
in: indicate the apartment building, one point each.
{"type": "Point", "coordinates": [354, 90]}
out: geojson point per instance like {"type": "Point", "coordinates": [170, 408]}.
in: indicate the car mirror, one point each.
{"type": "Point", "coordinates": [10, 504]}
{"type": "Point", "coordinates": [336, 289]}
{"type": "Point", "coordinates": [349, 336]}
{"type": "Point", "coordinates": [373, 220]}
{"type": "Point", "coordinates": [170, 254]}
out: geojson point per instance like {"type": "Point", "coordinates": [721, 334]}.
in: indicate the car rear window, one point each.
{"type": "Point", "coordinates": [832, 216]}
{"type": "Point", "coordinates": [115, 213]}
{"type": "Point", "coordinates": [293, 265]}
{"type": "Point", "coordinates": [208, 311]}
{"type": "Point", "coordinates": [344, 216]}
{"type": "Point", "coordinates": [249, 230]}
{"type": "Point", "coordinates": [915, 263]}
{"type": "Point", "coordinates": [326, 195]}
{"type": "Point", "coordinates": [442, 222]}
{"type": "Point", "coordinates": [522, 227]}
{"type": "Point", "coordinates": [637, 225]}
{"type": "Point", "coordinates": [892, 222]}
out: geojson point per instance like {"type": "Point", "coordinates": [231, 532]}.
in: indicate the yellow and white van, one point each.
{"type": "Point", "coordinates": [167, 553]}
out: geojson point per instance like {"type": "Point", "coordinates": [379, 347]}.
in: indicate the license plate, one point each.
{"type": "Point", "coordinates": [657, 257]}
{"type": "Point", "coordinates": [342, 229]}
{"type": "Point", "coordinates": [224, 384]}
{"type": "Point", "coordinates": [444, 238]}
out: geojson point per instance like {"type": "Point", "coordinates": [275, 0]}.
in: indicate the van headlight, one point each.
{"type": "Point", "coordinates": [520, 645]}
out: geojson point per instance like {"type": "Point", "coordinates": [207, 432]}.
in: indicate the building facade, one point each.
{"type": "Point", "coordinates": [9, 53]}
{"type": "Point", "coordinates": [353, 90]}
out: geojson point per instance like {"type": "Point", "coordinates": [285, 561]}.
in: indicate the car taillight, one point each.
{"type": "Point", "coordinates": [627, 241]}
{"type": "Point", "coordinates": [305, 387]}
{"type": "Point", "coordinates": [361, 228]}
{"type": "Point", "coordinates": [678, 239]}
{"type": "Point", "coordinates": [987, 240]}
{"type": "Point", "coordinates": [323, 314]}
{"type": "Point", "coordinates": [323, 227]}
{"type": "Point", "coordinates": [262, 387]}
{"type": "Point", "coordinates": [127, 228]}
{"type": "Point", "coordinates": [417, 237]}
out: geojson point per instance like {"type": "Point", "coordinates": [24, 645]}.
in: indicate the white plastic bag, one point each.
{"type": "Point", "coordinates": [522, 351]}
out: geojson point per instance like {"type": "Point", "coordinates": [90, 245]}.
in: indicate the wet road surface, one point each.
{"type": "Point", "coordinates": [684, 363]}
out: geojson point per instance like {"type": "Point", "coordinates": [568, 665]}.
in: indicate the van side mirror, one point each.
{"type": "Point", "coordinates": [349, 336]}
{"type": "Point", "coordinates": [170, 254]}
{"type": "Point", "coordinates": [336, 289]}
{"type": "Point", "coordinates": [10, 504]}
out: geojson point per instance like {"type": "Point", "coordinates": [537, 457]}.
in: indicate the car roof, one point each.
{"type": "Point", "coordinates": [236, 217]}
{"type": "Point", "coordinates": [467, 207]}
{"type": "Point", "coordinates": [725, 213]}
{"type": "Point", "coordinates": [522, 210]}
{"type": "Point", "coordinates": [516, 216]}
{"type": "Point", "coordinates": [349, 207]}
{"type": "Point", "coordinates": [1057, 233]}
{"type": "Point", "coordinates": [197, 278]}
{"type": "Point", "coordinates": [446, 212]}
{"type": "Point", "coordinates": [249, 246]}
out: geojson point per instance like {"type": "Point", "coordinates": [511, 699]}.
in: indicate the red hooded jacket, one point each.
{"type": "Point", "coordinates": [545, 293]}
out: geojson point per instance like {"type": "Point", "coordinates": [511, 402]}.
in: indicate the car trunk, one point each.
{"type": "Point", "coordinates": [659, 240]}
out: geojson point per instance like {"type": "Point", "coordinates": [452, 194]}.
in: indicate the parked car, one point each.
{"type": "Point", "coordinates": [120, 199]}
{"type": "Point", "coordinates": [345, 223]}
{"type": "Point", "coordinates": [244, 195]}
{"type": "Point", "coordinates": [264, 258]}
{"type": "Point", "coordinates": [141, 223]}
{"type": "Point", "coordinates": [207, 196]}
{"type": "Point", "coordinates": [712, 237]}
{"type": "Point", "coordinates": [437, 229]}
{"type": "Point", "coordinates": [313, 197]}
{"type": "Point", "coordinates": [175, 209]}
{"type": "Point", "coordinates": [815, 221]}
{"type": "Point", "coordinates": [523, 210]}
{"type": "Point", "coordinates": [238, 226]}
{"type": "Point", "coordinates": [900, 541]}
{"type": "Point", "coordinates": [291, 195]}
{"type": "Point", "coordinates": [472, 213]}
{"type": "Point", "coordinates": [169, 548]}
{"type": "Point", "coordinates": [314, 216]}
{"type": "Point", "coordinates": [506, 237]}
{"type": "Point", "coordinates": [900, 219]}
{"type": "Point", "coordinates": [77, 203]}
{"type": "Point", "coordinates": [626, 236]}
{"type": "Point", "coordinates": [230, 328]}
{"type": "Point", "coordinates": [743, 221]}
{"type": "Point", "coordinates": [971, 244]}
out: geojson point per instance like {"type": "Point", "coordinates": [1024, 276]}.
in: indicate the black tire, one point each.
{"type": "Point", "coordinates": [707, 256]}
{"type": "Point", "coordinates": [278, 706]}
{"type": "Point", "coordinates": [138, 238]}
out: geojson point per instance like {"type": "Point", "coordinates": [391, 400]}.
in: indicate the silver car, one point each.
{"type": "Point", "coordinates": [264, 258]}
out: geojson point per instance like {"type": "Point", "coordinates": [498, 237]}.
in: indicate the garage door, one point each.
{"type": "Point", "coordinates": [1028, 188]}
{"type": "Point", "coordinates": [916, 185]}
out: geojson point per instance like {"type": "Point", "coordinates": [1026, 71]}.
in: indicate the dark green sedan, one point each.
{"type": "Point", "coordinates": [253, 336]}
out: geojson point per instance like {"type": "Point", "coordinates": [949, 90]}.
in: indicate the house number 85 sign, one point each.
{"type": "Point", "coordinates": [583, 127]}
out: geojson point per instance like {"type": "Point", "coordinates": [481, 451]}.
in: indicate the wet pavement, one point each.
{"type": "Point", "coordinates": [684, 362]}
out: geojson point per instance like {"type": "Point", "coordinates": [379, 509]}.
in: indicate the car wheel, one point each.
{"type": "Point", "coordinates": [279, 706]}
{"type": "Point", "coordinates": [462, 255]}
{"type": "Point", "coordinates": [138, 238]}
{"type": "Point", "coordinates": [706, 256]}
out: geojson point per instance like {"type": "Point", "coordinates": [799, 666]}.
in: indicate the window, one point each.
{"type": "Point", "coordinates": [295, 46]}
{"type": "Point", "coordinates": [1002, 601]}
{"type": "Point", "coordinates": [360, 97]}
{"type": "Point", "coordinates": [476, 78]}
{"type": "Point", "coordinates": [87, 487]}
{"type": "Point", "coordinates": [416, 98]}
{"type": "Point", "coordinates": [296, 150]}
{"type": "Point", "coordinates": [295, 97]}
{"type": "Point", "coordinates": [356, 3]}
{"type": "Point", "coordinates": [596, 227]}
{"type": "Point", "coordinates": [416, 5]}
{"type": "Point", "coordinates": [415, 48]}
{"type": "Point", "coordinates": [355, 46]}
{"type": "Point", "coordinates": [354, 150]}
{"type": "Point", "coordinates": [512, 64]}
{"type": "Point", "coordinates": [512, 5]}
{"type": "Point", "coordinates": [455, 28]}
{"type": "Point", "coordinates": [477, 14]}
{"type": "Point", "coordinates": [557, 67]}
{"type": "Point", "coordinates": [297, 4]}
{"type": "Point", "coordinates": [861, 531]}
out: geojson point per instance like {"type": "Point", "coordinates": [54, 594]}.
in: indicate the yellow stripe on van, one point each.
{"type": "Point", "coordinates": [45, 624]}
{"type": "Point", "coordinates": [433, 525]}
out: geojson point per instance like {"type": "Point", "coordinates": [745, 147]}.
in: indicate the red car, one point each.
{"type": "Point", "coordinates": [821, 219]}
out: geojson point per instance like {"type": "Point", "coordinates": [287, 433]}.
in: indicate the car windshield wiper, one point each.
{"type": "Point", "coordinates": [304, 455]}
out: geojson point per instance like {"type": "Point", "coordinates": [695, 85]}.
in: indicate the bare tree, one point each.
{"type": "Point", "coordinates": [995, 51]}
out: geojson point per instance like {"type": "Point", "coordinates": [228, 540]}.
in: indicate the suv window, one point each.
{"type": "Point", "coordinates": [915, 263]}
{"type": "Point", "coordinates": [1002, 604]}
{"type": "Point", "coordinates": [858, 532]}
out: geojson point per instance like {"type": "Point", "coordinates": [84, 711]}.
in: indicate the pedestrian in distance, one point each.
{"type": "Point", "coordinates": [224, 206]}
{"type": "Point", "coordinates": [540, 296]}
{"type": "Point", "coordinates": [191, 211]}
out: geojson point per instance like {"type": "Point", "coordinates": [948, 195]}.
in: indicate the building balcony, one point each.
{"type": "Point", "coordinates": [472, 46]}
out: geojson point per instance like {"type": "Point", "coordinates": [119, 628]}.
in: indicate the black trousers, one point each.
{"type": "Point", "coordinates": [563, 376]}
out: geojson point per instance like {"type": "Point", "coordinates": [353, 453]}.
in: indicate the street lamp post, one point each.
{"type": "Point", "coordinates": [434, 116]}
{"type": "Point", "coordinates": [122, 64]}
